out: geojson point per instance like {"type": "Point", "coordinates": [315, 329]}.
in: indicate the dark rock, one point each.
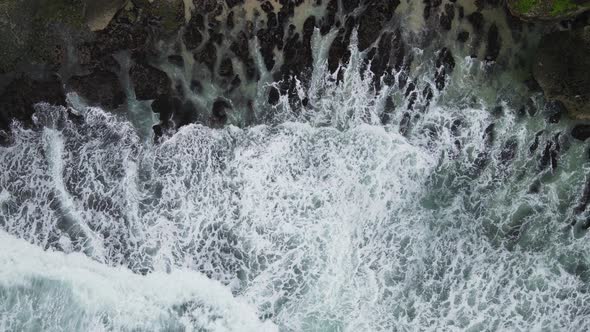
{"type": "Point", "coordinates": [19, 96]}
{"type": "Point", "coordinates": [404, 125]}
{"type": "Point", "coordinates": [100, 88]}
{"type": "Point", "coordinates": [329, 18]}
{"type": "Point", "coordinates": [498, 111]}
{"type": "Point", "coordinates": [229, 22]}
{"type": "Point", "coordinates": [371, 22]}
{"type": "Point", "coordinates": [562, 69]}
{"type": "Point", "coordinates": [494, 44]}
{"type": "Point", "coordinates": [535, 145]}
{"type": "Point", "coordinates": [585, 199]}
{"type": "Point", "coordinates": [489, 135]}
{"type": "Point", "coordinates": [267, 7]}
{"type": "Point", "coordinates": [463, 36]}
{"type": "Point", "coordinates": [232, 3]}
{"type": "Point", "coordinates": [122, 33]}
{"type": "Point", "coordinates": [532, 85]}
{"type": "Point", "coordinates": [535, 187]}
{"type": "Point", "coordinates": [445, 64]}
{"type": "Point", "coordinates": [429, 6]}
{"type": "Point", "coordinates": [349, 5]}
{"type": "Point", "coordinates": [550, 154]}
{"type": "Point", "coordinates": [380, 60]}
{"type": "Point", "coordinates": [207, 55]}
{"type": "Point", "coordinates": [196, 86]}
{"type": "Point", "coordinates": [477, 21]}
{"type": "Point", "coordinates": [581, 132]}
{"type": "Point", "coordinates": [148, 82]}
{"type": "Point", "coordinates": [219, 111]}
{"type": "Point", "coordinates": [226, 68]}
{"type": "Point", "coordinates": [273, 96]}
{"type": "Point", "coordinates": [461, 12]}
{"type": "Point", "coordinates": [192, 36]}
{"type": "Point", "coordinates": [508, 151]}
{"type": "Point", "coordinates": [166, 105]}
{"type": "Point", "coordinates": [388, 110]}
{"type": "Point", "coordinates": [447, 17]}
{"type": "Point", "coordinates": [555, 110]}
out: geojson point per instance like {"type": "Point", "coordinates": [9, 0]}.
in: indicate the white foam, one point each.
{"type": "Point", "coordinates": [111, 298]}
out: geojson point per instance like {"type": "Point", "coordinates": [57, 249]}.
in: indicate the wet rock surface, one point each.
{"type": "Point", "coordinates": [562, 69]}
{"type": "Point", "coordinates": [100, 88]}
{"type": "Point", "coordinates": [20, 95]}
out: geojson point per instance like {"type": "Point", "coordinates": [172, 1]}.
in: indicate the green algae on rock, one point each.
{"type": "Point", "coordinates": [547, 10]}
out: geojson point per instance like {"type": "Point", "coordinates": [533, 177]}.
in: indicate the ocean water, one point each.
{"type": "Point", "coordinates": [322, 218]}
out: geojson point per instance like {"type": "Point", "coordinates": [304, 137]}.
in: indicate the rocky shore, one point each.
{"type": "Point", "coordinates": [208, 61]}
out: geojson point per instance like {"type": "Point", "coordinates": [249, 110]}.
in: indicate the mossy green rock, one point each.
{"type": "Point", "coordinates": [547, 10]}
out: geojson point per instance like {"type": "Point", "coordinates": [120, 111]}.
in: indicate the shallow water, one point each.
{"type": "Point", "coordinates": [316, 219]}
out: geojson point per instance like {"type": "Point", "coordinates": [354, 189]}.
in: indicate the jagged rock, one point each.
{"type": "Point", "coordinates": [371, 22]}
{"type": "Point", "coordinates": [122, 33]}
{"type": "Point", "coordinates": [219, 112]}
{"type": "Point", "coordinates": [562, 69]}
{"type": "Point", "coordinates": [447, 17]}
{"type": "Point", "coordinates": [207, 55]}
{"type": "Point", "coordinates": [20, 95]}
{"type": "Point", "coordinates": [192, 36]}
{"type": "Point", "coordinates": [445, 63]}
{"type": "Point", "coordinates": [339, 52]}
{"type": "Point", "coordinates": [329, 19]}
{"type": "Point", "coordinates": [148, 82]}
{"type": "Point", "coordinates": [99, 88]}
